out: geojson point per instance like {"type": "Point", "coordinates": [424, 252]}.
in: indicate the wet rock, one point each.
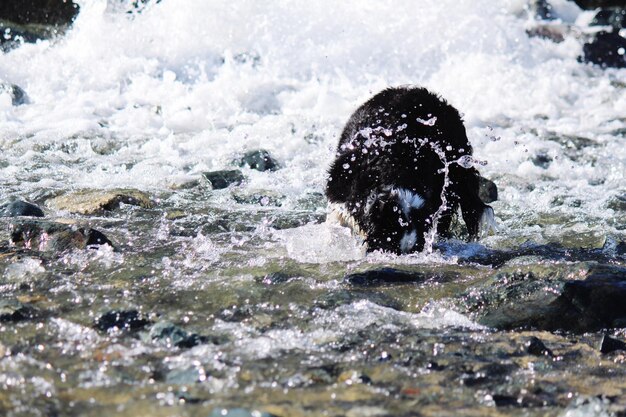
{"type": "Point", "coordinates": [51, 236]}
{"type": "Point", "coordinates": [185, 376]}
{"type": "Point", "coordinates": [20, 208]}
{"type": "Point", "coordinates": [542, 160]}
{"type": "Point", "coordinates": [536, 347]}
{"type": "Point", "coordinates": [541, 9]}
{"type": "Point", "coordinates": [615, 17]}
{"type": "Point", "coordinates": [258, 197]}
{"type": "Point", "coordinates": [91, 202]}
{"type": "Point", "coordinates": [222, 179]}
{"type": "Point", "coordinates": [261, 160]}
{"type": "Point", "coordinates": [129, 320]}
{"type": "Point", "coordinates": [487, 190]}
{"type": "Point", "coordinates": [171, 335]}
{"type": "Point", "coordinates": [383, 276]}
{"type": "Point", "coordinates": [595, 303]}
{"type": "Point", "coordinates": [13, 311]}
{"type": "Point", "coordinates": [618, 203]}
{"type": "Point", "coordinates": [51, 12]}
{"type": "Point", "coordinates": [18, 96]}
{"type": "Point", "coordinates": [238, 412]}
{"type": "Point", "coordinates": [609, 344]}
{"type": "Point", "coordinates": [607, 50]}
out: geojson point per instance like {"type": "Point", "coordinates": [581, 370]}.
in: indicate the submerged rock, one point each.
{"type": "Point", "coordinates": [173, 335]}
{"type": "Point", "coordinates": [607, 49]}
{"type": "Point", "coordinates": [91, 202]}
{"type": "Point", "coordinates": [238, 412]}
{"type": "Point", "coordinates": [20, 208]}
{"type": "Point", "coordinates": [258, 197]}
{"type": "Point", "coordinates": [384, 276]}
{"type": "Point", "coordinates": [260, 159]}
{"type": "Point", "coordinates": [13, 311]}
{"type": "Point", "coordinates": [51, 236]}
{"type": "Point", "coordinates": [17, 94]}
{"type": "Point", "coordinates": [526, 301]}
{"type": "Point", "coordinates": [222, 179]}
{"type": "Point", "coordinates": [129, 320]}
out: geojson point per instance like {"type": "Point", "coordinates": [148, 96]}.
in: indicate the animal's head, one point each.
{"type": "Point", "coordinates": [396, 221]}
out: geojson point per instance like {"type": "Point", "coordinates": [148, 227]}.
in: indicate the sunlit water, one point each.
{"type": "Point", "coordinates": [152, 100]}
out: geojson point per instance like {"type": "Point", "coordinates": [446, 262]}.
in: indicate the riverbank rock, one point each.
{"type": "Point", "coordinates": [223, 179]}
{"type": "Point", "coordinates": [91, 202]}
{"type": "Point", "coordinates": [607, 49]}
{"type": "Point", "coordinates": [17, 94]}
{"type": "Point", "coordinates": [20, 208]}
{"type": "Point", "coordinates": [260, 159]}
{"type": "Point", "coordinates": [57, 237]}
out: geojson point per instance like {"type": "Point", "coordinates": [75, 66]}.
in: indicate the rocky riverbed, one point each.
{"type": "Point", "coordinates": [164, 242]}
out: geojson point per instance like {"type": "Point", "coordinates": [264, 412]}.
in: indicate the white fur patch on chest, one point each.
{"type": "Point", "coordinates": [407, 199]}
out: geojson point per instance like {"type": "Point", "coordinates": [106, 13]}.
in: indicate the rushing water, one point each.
{"type": "Point", "coordinates": [152, 100]}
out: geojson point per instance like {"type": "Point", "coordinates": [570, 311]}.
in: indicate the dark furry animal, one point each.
{"type": "Point", "coordinates": [403, 167]}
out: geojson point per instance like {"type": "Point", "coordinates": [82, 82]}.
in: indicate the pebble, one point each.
{"type": "Point", "coordinates": [173, 335]}
{"type": "Point", "coordinates": [13, 311]}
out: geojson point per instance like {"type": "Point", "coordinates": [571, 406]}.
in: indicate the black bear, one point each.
{"type": "Point", "coordinates": [403, 167]}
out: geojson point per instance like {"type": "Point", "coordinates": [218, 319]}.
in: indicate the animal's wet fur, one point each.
{"type": "Point", "coordinates": [389, 172]}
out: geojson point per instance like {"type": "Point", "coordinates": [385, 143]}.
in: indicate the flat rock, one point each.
{"type": "Point", "coordinates": [91, 202]}
{"type": "Point", "coordinates": [51, 236]}
{"type": "Point", "coordinates": [130, 320]}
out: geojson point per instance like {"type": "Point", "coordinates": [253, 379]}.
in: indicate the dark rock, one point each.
{"type": "Point", "coordinates": [607, 49]}
{"type": "Point", "coordinates": [542, 160]}
{"type": "Point", "coordinates": [615, 17]}
{"type": "Point", "coordinates": [260, 159]}
{"type": "Point", "coordinates": [95, 237]}
{"type": "Point", "coordinates": [536, 347]}
{"type": "Point", "coordinates": [594, 4]}
{"type": "Point", "coordinates": [541, 9]}
{"type": "Point", "coordinates": [122, 320]}
{"type": "Point", "coordinates": [20, 208]}
{"type": "Point", "coordinates": [172, 335]}
{"type": "Point", "coordinates": [608, 344]}
{"type": "Point", "coordinates": [17, 94]}
{"type": "Point", "coordinates": [49, 12]}
{"type": "Point", "coordinates": [222, 179]}
{"type": "Point", "coordinates": [383, 276]}
{"type": "Point", "coordinates": [13, 311]}
{"type": "Point", "coordinates": [617, 203]}
{"type": "Point", "coordinates": [487, 190]}
{"type": "Point", "coordinates": [50, 236]}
